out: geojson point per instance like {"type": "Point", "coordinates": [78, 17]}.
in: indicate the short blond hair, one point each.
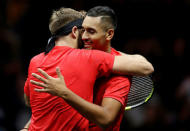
{"type": "Point", "coordinates": [63, 16]}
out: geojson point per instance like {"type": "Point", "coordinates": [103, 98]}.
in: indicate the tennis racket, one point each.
{"type": "Point", "coordinates": [140, 92]}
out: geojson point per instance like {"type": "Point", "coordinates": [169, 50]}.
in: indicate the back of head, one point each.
{"type": "Point", "coordinates": [61, 17]}
{"type": "Point", "coordinates": [108, 16]}
{"type": "Point", "coordinates": [61, 23]}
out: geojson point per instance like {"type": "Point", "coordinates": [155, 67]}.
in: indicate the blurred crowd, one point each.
{"type": "Point", "coordinates": [157, 29]}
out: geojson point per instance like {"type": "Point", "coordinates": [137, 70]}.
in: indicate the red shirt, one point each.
{"type": "Point", "coordinates": [80, 69]}
{"type": "Point", "coordinates": [116, 87]}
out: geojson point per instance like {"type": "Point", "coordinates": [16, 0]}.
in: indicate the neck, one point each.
{"type": "Point", "coordinates": [108, 48]}
{"type": "Point", "coordinates": [66, 41]}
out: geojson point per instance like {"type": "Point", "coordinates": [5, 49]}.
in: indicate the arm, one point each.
{"type": "Point", "coordinates": [27, 102]}
{"type": "Point", "coordinates": [132, 65]}
{"type": "Point", "coordinates": [26, 99]}
{"type": "Point", "coordinates": [102, 115]}
{"type": "Point", "coordinates": [26, 127]}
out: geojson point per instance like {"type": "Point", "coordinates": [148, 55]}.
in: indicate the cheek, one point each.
{"type": "Point", "coordinates": [98, 43]}
{"type": "Point", "coordinates": [98, 39]}
{"type": "Point", "coordinates": [102, 41]}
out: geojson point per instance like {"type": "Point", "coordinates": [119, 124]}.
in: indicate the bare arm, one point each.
{"type": "Point", "coordinates": [132, 65]}
{"type": "Point", "coordinates": [102, 115]}
{"type": "Point", "coordinates": [26, 127]}
{"type": "Point", "coordinates": [27, 102]}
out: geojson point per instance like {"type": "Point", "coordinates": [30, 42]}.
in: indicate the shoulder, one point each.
{"type": "Point", "coordinates": [90, 51]}
{"type": "Point", "coordinates": [37, 58]}
{"type": "Point", "coordinates": [94, 54]}
{"type": "Point", "coordinates": [118, 88]}
{"type": "Point", "coordinates": [116, 80]}
{"type": "Point", "coordinates": [115, 52]}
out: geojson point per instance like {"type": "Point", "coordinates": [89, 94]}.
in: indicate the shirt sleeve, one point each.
{"type": "Point", "coordinates": [103, 62]}
{"type": "Point", "coordinates": [118, 88]}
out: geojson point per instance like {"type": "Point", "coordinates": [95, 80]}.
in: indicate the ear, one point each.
{"type": "Point", "coordinates": [109, 34]}
{"type": "Point", "coordinates": [74, 32]}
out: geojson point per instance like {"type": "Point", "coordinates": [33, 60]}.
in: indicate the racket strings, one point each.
{"type": "Point", "coordinates": [140, 90]}
{"type": "Point", "coordinates": [134, 99]}
{"type": "Point", "coordinates": [133, 92]}
{"type": "Point", "coordinates": [139, 84]}
{"type": "Point", "coordinates": [136, 96]}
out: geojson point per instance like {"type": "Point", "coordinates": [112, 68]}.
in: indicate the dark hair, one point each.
{"type": "Point", "coordinates": [108, 16]}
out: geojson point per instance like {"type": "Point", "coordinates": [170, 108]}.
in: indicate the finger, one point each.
{"type": "Point", "coordinates": [44, 73]}
{"type": "Point", "coordinates": [38, 83]}
{"type": "Point", "coordinates": [59, 73]}
{"type": "Point", "coordinates": [41, 90]}
{"type": "Point", "coordinates": [39, 77]}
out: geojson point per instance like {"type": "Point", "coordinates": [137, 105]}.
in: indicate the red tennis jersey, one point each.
{"type": "Point", "coordinates": [116, 87]}
{"type": "Point", "coordinates": [80, 69]}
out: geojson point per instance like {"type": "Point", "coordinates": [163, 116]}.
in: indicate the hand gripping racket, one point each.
{"type": "Point", "coordinates": [140, 92]}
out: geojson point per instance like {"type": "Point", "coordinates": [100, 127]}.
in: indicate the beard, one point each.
{"type": "Point", "coordinates": [80, 41]}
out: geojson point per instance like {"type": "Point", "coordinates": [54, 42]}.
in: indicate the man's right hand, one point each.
{"type": "Point", "coordinates": [54, 86]}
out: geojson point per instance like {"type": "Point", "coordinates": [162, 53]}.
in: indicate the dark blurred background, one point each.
{"type": "Point", "coordinates": [157, 29]}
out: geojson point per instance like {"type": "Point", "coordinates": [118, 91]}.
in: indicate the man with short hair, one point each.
{"type": "Point", "coordinates": [110, 92]}
{"type": "Point", "coordinates": [80, 69]}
